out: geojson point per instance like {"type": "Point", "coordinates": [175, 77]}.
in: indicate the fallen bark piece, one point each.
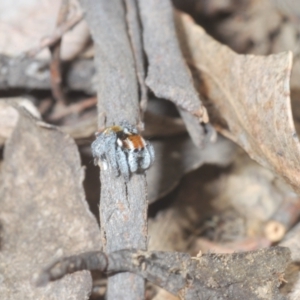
{"type": "Point", "coordinates": [9, 115]}
{"type": "Point", "coordinates": [168, 75]}
{"type": "Point", "coordinates": [248, 275]}
{"type": "Point", "coordinates": [43, 213]}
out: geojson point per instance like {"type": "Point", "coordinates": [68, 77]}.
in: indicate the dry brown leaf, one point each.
{"type": "Point", "coordinates": [252, 96]}
{"type": "Point", "coordinates": [43, 212]}
{"type": "Point", "coordinates": [262, 27]}
{"type": "Point", "coordinates": [24, 24]}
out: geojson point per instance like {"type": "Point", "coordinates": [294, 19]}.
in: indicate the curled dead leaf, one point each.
{"type": "Point", "coordinates": [249, 99]}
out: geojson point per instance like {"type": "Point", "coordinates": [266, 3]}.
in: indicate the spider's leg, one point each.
{"type": "Point", "coordinates": [111, 152]}
{"type": "Point", "coordinates": [98, 149]}
{"type": "Point", "coordinates": [133, 159]}
{"type": "Point", "coordinates": [123, 163]}
{"type": "Point", "coordinates": [147, 157]}
{"type": "Point", "coordinates": [151, 151]}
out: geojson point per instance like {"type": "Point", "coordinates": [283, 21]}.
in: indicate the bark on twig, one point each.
{"type": "Point", "coordinates": [123, 206]}
{"type": "Point", "coordinates": [249, 275]}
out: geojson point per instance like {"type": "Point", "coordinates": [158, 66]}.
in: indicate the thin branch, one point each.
{"type": "Point", "coordinates": [209, 275]}
{"type": "Point", "coordinates": [283, 219]}
{"type": "Point", "coordinates": [73, 108]}
{"type": "Point", "coordinates": [55, 65]}
{"type": "Point", "coordinates": [67, 265]}
{"type": "Point", "coordinates": [123, 205]}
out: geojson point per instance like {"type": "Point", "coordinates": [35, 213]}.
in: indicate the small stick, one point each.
{"type": "Point", "coordinates": [55, 72]}
{"type": "Point", "coordinates": [73, 108]}
{"type": "Point", "coordinates": [67, 265]}
{"type": "Point", "coordinates": [285, 217]}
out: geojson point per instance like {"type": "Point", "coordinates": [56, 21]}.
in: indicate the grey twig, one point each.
{"type": "Point", "coordinates": [208, 276]}
{"type": "Point", "coordinates": [123, 205]}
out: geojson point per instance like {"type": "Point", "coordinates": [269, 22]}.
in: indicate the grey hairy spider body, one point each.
{"type": "Point", "coordinates": [122, 149]}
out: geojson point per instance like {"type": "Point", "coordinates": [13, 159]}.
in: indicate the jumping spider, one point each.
{"type": "Point", "coordinates": [122, 149]}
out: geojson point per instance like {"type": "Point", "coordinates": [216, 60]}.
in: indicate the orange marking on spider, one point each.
{"type": "Point", "coordinates": [133, 142]}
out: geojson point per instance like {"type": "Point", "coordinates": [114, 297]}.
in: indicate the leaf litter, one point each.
{"type": "Point", "coordinates": [209, 200]}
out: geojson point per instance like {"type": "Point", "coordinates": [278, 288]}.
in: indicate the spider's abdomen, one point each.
{"type": "Point", "coordinates": [134, 142]}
